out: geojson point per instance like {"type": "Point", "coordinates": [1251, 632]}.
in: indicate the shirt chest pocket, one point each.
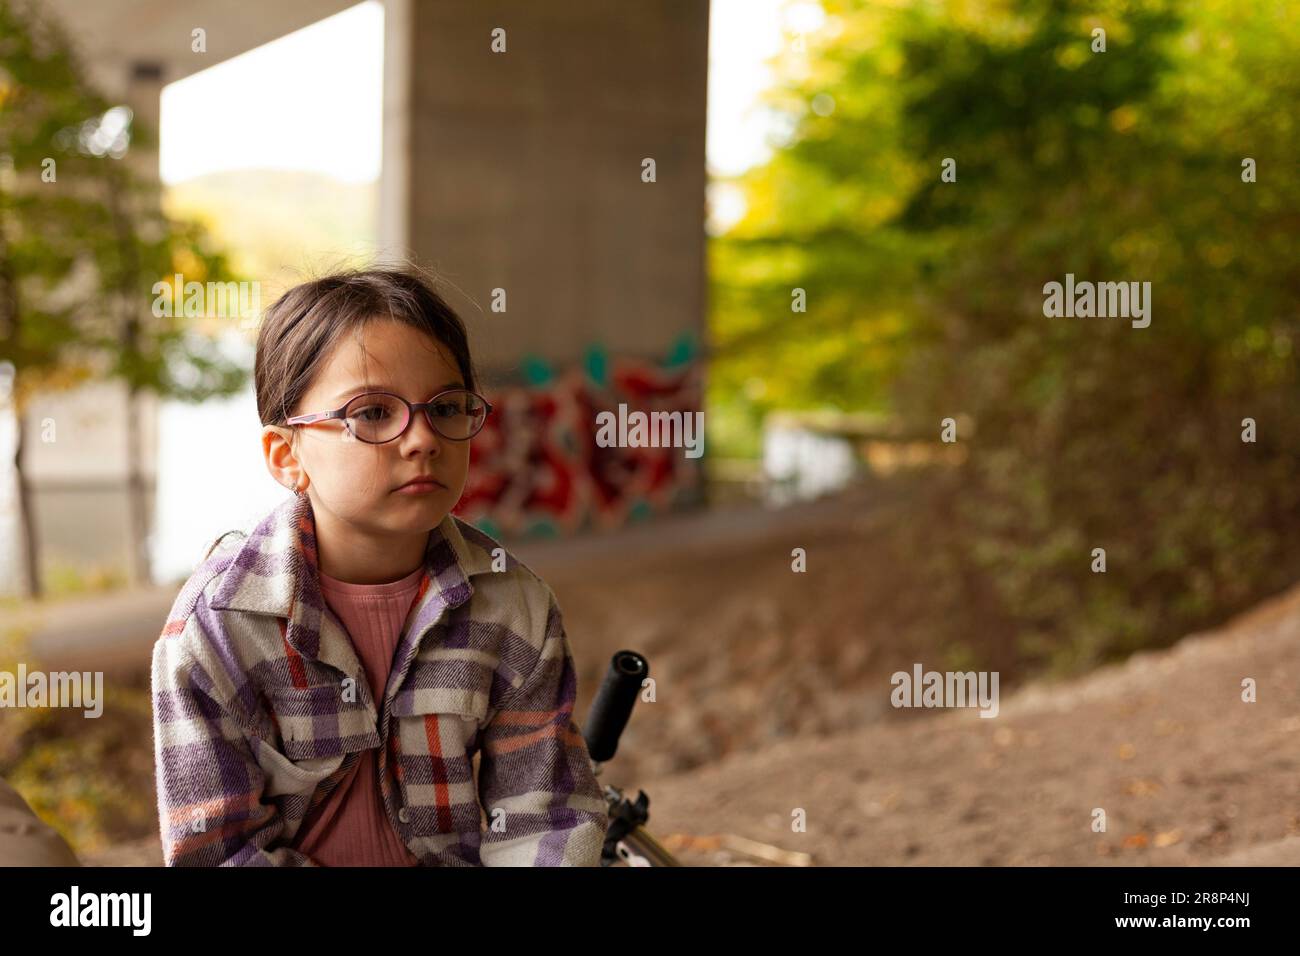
{"type": "Point", "coordinates": [318, 729]}
{"type": "Point", "coordinates": [292, 777]}
{"type": "Point", "coordinates": [435, 733]}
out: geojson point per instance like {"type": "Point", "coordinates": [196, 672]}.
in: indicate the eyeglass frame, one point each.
{"type": "Point", "coordinates": [411, 409]}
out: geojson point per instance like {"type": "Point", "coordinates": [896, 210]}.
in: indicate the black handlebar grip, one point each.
{"type": "Point", "coordinates": [612, 705]}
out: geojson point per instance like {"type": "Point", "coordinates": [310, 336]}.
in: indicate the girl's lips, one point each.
{"type": "Point", "coordinates": [420, 488]}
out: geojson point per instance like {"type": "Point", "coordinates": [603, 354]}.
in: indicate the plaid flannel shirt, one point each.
{"type": "Point", "coordinates": [261, 708]}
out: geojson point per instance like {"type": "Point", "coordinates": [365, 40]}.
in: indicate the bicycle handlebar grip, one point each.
{"type": "Point", "coordinates": [613, 703]}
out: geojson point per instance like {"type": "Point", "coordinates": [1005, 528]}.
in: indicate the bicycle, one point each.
{"type": "Point", "coordinates": [627, 841]}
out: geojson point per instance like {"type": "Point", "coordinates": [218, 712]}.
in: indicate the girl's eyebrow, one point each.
{"type": "Point", "coordinates": [362, 389]}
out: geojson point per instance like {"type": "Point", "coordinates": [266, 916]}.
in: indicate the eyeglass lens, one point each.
{"type": "Point", "coordinates": [379, 418]}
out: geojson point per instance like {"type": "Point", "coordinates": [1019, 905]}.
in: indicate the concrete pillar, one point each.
{"type": "Point", "coordinates": [395, 174]}
{"type": "Point", "coordinates": [523, 130]}
{"type": "Point", "coordinates": [525, 167]}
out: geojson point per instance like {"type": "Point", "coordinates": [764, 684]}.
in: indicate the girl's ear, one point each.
{"type": "Point", "coordinates": [284, 431]}
{"type": "Point", "coordinates": [281, 456]}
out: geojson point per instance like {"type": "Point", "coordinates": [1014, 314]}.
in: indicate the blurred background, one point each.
{"type": "Point", "coordinates": [825, 224]}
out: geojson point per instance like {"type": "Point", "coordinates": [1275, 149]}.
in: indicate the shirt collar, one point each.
{"type": "Point", "coordinates": [274, 571]}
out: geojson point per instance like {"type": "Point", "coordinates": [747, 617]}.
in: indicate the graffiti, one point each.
{"type": "Point", "coordinates": [536, 469]}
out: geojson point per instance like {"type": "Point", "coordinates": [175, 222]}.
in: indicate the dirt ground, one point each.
{"type": "Point", "coordinates": [1186, 772]}
{"type": "Point", "coordinates": [773, 697]}
{"type": "Point", "coordinates": [772, 704]}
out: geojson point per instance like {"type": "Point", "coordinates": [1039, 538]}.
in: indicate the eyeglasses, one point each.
{"type": "Point", "coordinates": [377, 417]}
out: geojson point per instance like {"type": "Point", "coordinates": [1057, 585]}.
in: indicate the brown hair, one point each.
{"type": "Point", "coordinates": [301, 328]}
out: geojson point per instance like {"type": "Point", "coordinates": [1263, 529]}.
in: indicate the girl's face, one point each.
{"type": "Point", "coordinates": [352, 484]}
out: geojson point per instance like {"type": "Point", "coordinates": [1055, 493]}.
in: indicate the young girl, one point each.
{"type": "Point", "coordinates": [324, 683]}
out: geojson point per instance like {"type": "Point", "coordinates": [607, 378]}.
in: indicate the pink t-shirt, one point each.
{"type": "Point", "coordinates": [352, 828]}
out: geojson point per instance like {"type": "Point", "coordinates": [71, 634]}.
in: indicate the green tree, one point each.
{"type": "Point", "coordinates": [83, 240]}
{"type": "Point", "coordinates": [926, 297]}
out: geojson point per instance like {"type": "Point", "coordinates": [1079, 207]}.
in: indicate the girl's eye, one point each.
{"type": "Point", "coordinates": [371, 413]}
{"type": "Point", "coordinates": [447, 409]}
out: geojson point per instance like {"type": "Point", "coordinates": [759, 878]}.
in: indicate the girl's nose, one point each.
{"type": "Point", "coordinates": [420, 434]}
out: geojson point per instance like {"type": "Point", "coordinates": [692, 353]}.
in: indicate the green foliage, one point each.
{"type": "Point", "coordinates": [926, 298]}
{"type": "Point", "coordinates": [80, 254]}
{"type": "Point", "coordinates": [282, 225]}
